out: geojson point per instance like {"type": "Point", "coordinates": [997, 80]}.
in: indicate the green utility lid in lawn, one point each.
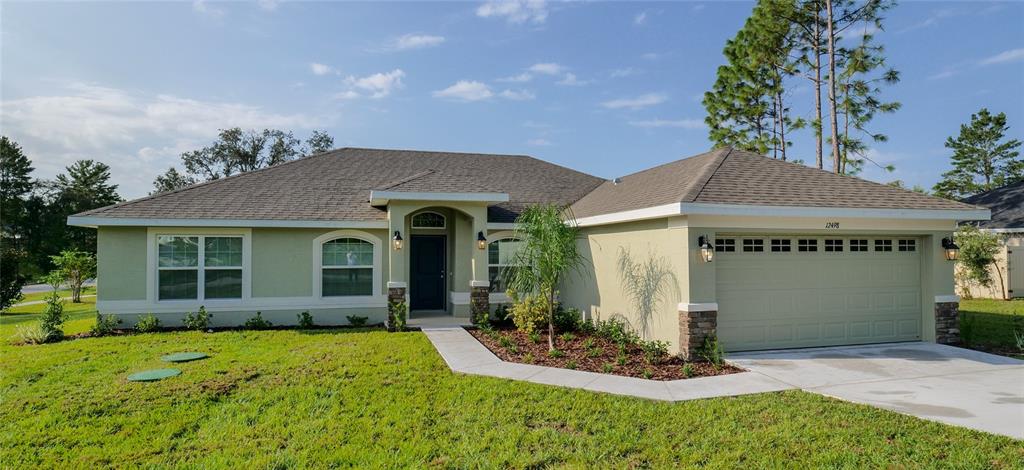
{"type": "Point", "coordinates": [184, 357]}
{"type": "Point", "coordinates": [151, 375]}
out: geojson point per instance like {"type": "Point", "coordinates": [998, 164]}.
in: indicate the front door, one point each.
{"type": "Point", "coordinates": [428, 272]}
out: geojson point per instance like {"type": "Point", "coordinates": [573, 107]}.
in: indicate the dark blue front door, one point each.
{"type": "Point", "coordinates": [428, 272]}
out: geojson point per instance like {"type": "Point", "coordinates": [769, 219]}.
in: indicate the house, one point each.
{"type": "Point", "coordinates": [1007, 206]}
{"type": "Point", "coordinates": [765, 253]}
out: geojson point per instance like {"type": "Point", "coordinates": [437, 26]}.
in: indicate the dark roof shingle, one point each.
{"type": "Point", "coordinates": [1006, 203]}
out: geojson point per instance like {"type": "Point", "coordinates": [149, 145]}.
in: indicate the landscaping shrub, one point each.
{"type": "Point", "coordinates": [306, 320]}
{"type": "Point", "coordinates": [356, 320]}
{"type": "Point", "coordinates": [257, 322]}
{"type": "Point", "coordinates": [31, 334]}
{"type": "Point", "coordinates": [52, 321]}
{"type": "Point", "coordinates": [654, 351]}
{"type": "Point", "coordinates": [197, 321]}
{"type": "Point", "coordinates": [615, 330]}
{"type": "Point", "coordinates": [147, 324]}
{"type": "Point", "coordinates": [529, 313]}
{"type": "Point", "coordinates": [688, 370]}
{"type": "Point", "coordinates": [105, 325]}
{"type": "Point", "coordinates": [568, 319]}
{"type": "Point", "coordinates": [502, 316]}
{"type": "Point", "coordinates": [712, 352]}
{"type": "Point", "coordinates": [397, 315]}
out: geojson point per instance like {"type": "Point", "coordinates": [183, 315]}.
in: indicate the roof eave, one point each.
{"type": "Point", "coordinates": [382, 198]}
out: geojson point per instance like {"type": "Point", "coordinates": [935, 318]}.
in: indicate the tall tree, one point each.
{"type": "Point", "coordinates": [237, 151]}
{"type": "Point", "coordinates": [982, 158]}
{"type": "Point", "coordinates": [830, 35]}
{"type": "Point", "coordinates": [859, 90]}
{"type": "Point", "coordinates": [809, 32]}
{"type": "Point", "coordinates": [15, 185]}
{"type": "Point", "coordinates": [85, 186]}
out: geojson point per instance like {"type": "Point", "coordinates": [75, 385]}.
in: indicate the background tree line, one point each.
{"type": "Point", "coordinates": [34, 212]}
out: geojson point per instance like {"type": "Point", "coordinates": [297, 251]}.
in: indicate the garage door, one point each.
{"type": "Point", "coordinates": [790, 291]}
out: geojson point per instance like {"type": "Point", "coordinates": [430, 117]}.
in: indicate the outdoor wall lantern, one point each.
{"type": "Point", "coordinates": [481, 241]}
{"type": "Point", "coordinates": [951, 250]}
{"type": "Point", "coordinates": [707, 250]}
{"type": "Point", "coordinates": [397, 240]}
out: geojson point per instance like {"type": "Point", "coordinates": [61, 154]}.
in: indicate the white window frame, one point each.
{"type": "Point", "coordinates": [444, 221]}
{"type": "Point", "coordinates": [497, 239]}
{"type": "Point", "coordinates": [153, 265]}
{"type": "Point", "coordinates": [318, 265]}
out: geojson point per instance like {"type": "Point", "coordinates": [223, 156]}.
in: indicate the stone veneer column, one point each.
{"type": "Point", "coordinates": [947, 322]}
{"type": "Point", "coordinates": [697, 322]}
{"type": "Point", "coordinates": [396, 294]}
{"type": "Point", "coordinates": [479, 302]}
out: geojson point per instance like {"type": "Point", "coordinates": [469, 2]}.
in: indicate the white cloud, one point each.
{"type": "Point", "coordinates": [931, 20]}
{"type": "Point", "coordinates": [678, 123]}
{"type": "Point", "coordinates": [139, 135]}
{"type": "Point", "coordinates": [650, 56]}
{"type": "Point", "coordinates": [320, 69]}
{"type": "Point", "coordinates": [205, 9]}
{"type": "Point", "coordinates": [623, 72]}
{"type": "Point", "coordinates": [465, 90]}
{"type": "Point", "coordinates": [347, 95]}
{"type": "Point", "coordinates": [415, 41]}
{"type": "Point", "coordinates": [571, 80]}
{"type": "Point", "coordinates": [949, 72]}
{"type": "Point", "coordinates": [379, 84]}
{"type": "Point", "coordinates": [523, 77]}
{"type": "Point", "coordinates": [515, 11]}
{"type": "Point", "coordinates": [640, 18]}
{"type": "Point", "coordinates": [642, 101]}
{"type": "Point", "coordinates": [539, 142]}
{"type": "Point", "coordinates": [547, 68]}
{"type": "Point", "coordinates": [518, 95]}
{"type": "Point", "coordinates": [1011, 55]}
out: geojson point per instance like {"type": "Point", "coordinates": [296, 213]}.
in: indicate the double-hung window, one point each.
{"type": "Point", "coordinates": [500, 262]}
{"type": "Point", "coordinates": [347, 267]}
{"type": "Point", "coordinates": [197, 267]}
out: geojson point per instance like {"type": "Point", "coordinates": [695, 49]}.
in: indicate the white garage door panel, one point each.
{"type": "Point", "coordinates": [796, 299]}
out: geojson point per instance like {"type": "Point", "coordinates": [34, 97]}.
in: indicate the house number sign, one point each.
{"type": "Point", "coordinates": [832, 225]}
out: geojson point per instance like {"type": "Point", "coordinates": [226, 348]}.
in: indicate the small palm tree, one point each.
{"type": "Point", "coordinates": [548, 252]}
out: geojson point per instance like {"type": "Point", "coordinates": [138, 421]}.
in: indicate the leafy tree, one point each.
{"type": "Point", "coordinates": [75, 267]}
{"type": "Point", "coordinates": [85, 186]}
{"type": "Point", "coordinates": [319, 142]}
{"type": "Point", "coordinates": [171, 180]}
{"type": "Point", "coordinates": [11, 279]}
{"type": "Point", "coordinates": [548, 252]}
{"type": "Point", "coordinates": [237, 151]}
{"type": "Point", "coordinates": [15, 185]}
{"type": "Point", "coordinates": [982, 159]}
{"type": "Point", "coordinates": [977, 257]}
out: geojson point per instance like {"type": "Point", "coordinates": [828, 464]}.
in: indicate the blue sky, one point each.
{"type": "Point", "coordinates": [606, 88]}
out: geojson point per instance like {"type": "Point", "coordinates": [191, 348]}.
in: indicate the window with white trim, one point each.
{"type": "Point", "coordinates": [807, 245]}
{"type": "Point", "coordinates": [727, 245]}
{"type": "Point", "coordinates": [833, 245]}
{"type": "Point", "coordinates": [883, 245]}
{"type": "Point", "coordinates": [907, 245]}
{"type": "Point", "coordinates": [346, 267]}
{"type": "Point", "coordinates": [196, 267]}
{"type": "Point", "coordinates": [753, 245]}
{"type": "Point", "coordinates": [428, 220]}
{"type": "Point", "coordinates": [858, 244]}
{"type": "Point", "coordinates": [500, 261]}
{"type": "Point", "coordinates": [780, 245]}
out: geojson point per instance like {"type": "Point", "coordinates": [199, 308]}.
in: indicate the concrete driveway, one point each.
{"type": "Point", "coordinates": [941, 383]}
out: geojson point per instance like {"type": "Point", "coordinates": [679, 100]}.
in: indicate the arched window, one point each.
{"type": "Point", "coordinates": [500, 260]}
{"type": "Point", "coordinates": [428, 220]}
{"type": "Point", "coordinates": [347, 267]}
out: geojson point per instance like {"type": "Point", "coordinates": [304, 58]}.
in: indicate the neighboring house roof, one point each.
{"type": "Point", "coordinates": [336, 186]}
{"type": "Point", "coordinates": [1006, 204]}
{"type": "Point", "coordinates": [733, 177]}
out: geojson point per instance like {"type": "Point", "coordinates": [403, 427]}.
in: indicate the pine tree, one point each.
{"type": "Point", "coordinates": [15, 185]}
{"type": "Point", "coordinates": [859, 90]}
{"type": "Point", "coordinates": [982, 160]}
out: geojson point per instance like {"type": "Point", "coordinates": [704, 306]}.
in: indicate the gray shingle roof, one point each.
{"type": "Point", "coordinates": [336, 186]}
{"type": "Point", "coordinates": [1006, 203]}
{"type": "Point", "coordinates": [728, 176]}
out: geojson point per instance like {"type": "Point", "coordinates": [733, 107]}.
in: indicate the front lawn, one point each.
{"type": "Point", "coordinates": [81, 317]}
{"type": "Point", "coordinates": [366, 398]}
{"type": "Point", "coordinates": [988, 325]}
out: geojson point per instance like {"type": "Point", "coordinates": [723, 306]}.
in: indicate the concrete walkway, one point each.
{"type": "Point", "coordinates": [37, 302]}
{"type": "Point", "coordinates": [931, 381]}
{"type": "Point", "coordinates": [465, 354]}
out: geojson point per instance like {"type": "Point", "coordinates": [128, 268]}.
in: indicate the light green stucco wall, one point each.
{"type": "Point", "coordinates": [121, 263]}
{"type": "Point", "coordinates": [601, 289]}
{"type": "Point", "coordinates": [282, 261]}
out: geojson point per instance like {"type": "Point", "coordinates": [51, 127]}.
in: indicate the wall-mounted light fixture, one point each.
{"type": "Point", "coordinates": [950, 249]}
{"type": "Point", "coordinates": [707, 250]}
{"type": "Point", "coordinates": [397, 240]}
{"type": "Point", "coordinates": [481, 241]}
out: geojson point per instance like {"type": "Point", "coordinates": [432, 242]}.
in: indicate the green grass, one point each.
{"type": "Point", "coordinates": [81, 317]}
{"type": "Point", "coordinates": [993, 321]}
{"type": "Point", "coordinates": [63, 293]}
{"type": "Point", "coordinates": [276, 399]}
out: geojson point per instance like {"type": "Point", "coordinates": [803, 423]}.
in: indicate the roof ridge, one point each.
{"type": "Point", "coordinates": [206, 183]}
{"type": "Point", "coordinates": [707, 174]}
{"type": "Point", "coordinates": [407, 179]}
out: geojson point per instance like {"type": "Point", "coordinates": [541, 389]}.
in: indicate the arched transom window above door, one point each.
{"type": "Point", "coordinates": [428, 220]}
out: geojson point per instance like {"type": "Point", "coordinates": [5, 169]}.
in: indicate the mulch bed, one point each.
{"type": "Point", "coordinates": [603, 352]}
{"type": "Point", "coordinates": [999, 350]}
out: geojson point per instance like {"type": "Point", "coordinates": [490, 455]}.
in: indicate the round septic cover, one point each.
{"type": "Point", "coordinates": [151, 375]}
{"type": "Point", "coordinates": [184, 357]}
